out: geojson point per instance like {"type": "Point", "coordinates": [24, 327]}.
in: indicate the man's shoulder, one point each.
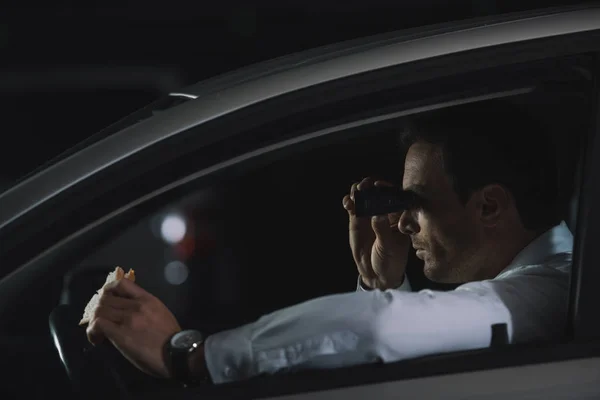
{"type": "Point", "coordinates": [553, 272]}
{"type": "Point", "coordinates": [555, 265]}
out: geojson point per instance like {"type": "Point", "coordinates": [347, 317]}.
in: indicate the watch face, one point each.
{"type": "Point", "coordinates": [185, 339]}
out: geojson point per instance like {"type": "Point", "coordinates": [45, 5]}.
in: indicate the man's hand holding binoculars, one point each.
{"type": "Point", "coordinates": [379, 249]}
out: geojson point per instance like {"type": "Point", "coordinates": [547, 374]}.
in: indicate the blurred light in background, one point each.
{"type": "Point", "coordinates": [185, 248]}
{"type": "Point", "coordinates": [176, 272]}
{"type": "Point", "coordinates": [173, 228]}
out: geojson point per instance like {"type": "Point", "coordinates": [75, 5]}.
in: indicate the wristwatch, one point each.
{"type": "Point", "coordinates": [177, 352]}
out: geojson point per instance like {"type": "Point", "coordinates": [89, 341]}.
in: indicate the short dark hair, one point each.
{"type": "Point", "coordinates": [494, 142]}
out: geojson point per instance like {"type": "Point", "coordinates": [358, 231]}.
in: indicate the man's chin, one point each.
{"type": "Point", "coordinates": [436, 274]}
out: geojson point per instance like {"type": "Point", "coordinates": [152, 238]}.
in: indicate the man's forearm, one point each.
{"type": "Point", "coordinates": [354, 328]}
{"type": "Point", "coordinates": [197, 360]}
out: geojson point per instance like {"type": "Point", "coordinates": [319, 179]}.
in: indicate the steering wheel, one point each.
{"type": "Point", "coordinates": [91, 370]}
{"type": "Point", "coordinates": [94, 371]}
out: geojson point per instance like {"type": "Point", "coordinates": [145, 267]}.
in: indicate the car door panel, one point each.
{"type": "Point", "coordinates": [559, 380]}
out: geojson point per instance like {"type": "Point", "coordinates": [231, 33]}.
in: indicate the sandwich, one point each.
{"type": "Point", "coordinates": [116, 275]}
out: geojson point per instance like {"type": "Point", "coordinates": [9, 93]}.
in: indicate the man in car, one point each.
{"type": "Point", "coordinates": [486, 217]}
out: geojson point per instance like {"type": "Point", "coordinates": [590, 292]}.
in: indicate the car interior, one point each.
{"type": "Point", "coordinates": [225, 255]}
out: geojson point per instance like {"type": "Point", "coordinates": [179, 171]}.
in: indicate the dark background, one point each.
{"type": "Point", "coordinates": [68, 70]}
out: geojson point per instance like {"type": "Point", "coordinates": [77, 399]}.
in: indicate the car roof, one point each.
{"type": "Point", "coordinates": [341, 49]}
{"type": "Point", "coordinates": [230, 92]}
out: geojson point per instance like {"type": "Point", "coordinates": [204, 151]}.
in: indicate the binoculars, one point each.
{"type": "Point", "coordinates": [382, 200]}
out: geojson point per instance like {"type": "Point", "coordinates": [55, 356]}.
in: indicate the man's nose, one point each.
{"type": "Point", "coordinates": [407, 223]}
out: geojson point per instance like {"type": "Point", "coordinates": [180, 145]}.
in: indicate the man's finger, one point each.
{"type": "Point", "coordinates": [125, 288]}
{"type": "Point", "coordinates": [394, 218]}
{"type": "Point", "coordinates": [101, 328]}
{"type": "Point", "coordinates": [365, 183]}
{"type": "Point", "coordinates": [353, 190]}
{"type": "Point", "coordinates": [383, 230]}
{"type": "Point", "coordinates": [112, 314]}
{"type": "Point", "coordinates": [108, 299]}
{"type": "Point", "coordinates": [383, 184]}
{"type": "Point", "coordinates": [348, 204]}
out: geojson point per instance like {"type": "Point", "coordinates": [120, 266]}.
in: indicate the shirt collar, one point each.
{"type": "Point", "coordinates": [554, 241]}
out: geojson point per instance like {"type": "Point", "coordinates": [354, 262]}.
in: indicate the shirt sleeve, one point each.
{"type": "Point", "coordinates": [405, 287]}
{"type": "Point", "coordinates": [357, 328]}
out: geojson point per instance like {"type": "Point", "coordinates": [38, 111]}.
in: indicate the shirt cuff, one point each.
{"type": "Point", "coordinates": [228, 355]}
{"type": "Point", "coordinates": [405, 287]}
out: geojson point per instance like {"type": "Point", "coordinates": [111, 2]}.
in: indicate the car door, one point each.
{"type": "Point", "coordinates": [58, 217]}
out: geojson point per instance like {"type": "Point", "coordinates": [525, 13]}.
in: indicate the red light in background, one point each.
{"type": "Point", "coordinates": [186, 247]}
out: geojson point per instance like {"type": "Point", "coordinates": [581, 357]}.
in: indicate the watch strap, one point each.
{"type": "Point", "coordinates": [177, 362]}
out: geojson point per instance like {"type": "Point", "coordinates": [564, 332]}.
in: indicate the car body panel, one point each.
{"type": "Point", "coordinates": [574, 379]}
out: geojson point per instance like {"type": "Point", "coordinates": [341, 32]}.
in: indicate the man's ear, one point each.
{"type": "Point", "coordinates": [494, 201]}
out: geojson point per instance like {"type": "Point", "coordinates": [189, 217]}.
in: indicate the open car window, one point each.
{"type": "Point", "coordinates": [220, 230]}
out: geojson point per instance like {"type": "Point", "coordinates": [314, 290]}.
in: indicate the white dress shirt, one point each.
{"type": "Point", "coordinates": [529, 296]}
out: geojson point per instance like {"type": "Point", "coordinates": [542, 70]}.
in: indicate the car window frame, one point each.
{"type": "Point", "coordinates": [584, 295]}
